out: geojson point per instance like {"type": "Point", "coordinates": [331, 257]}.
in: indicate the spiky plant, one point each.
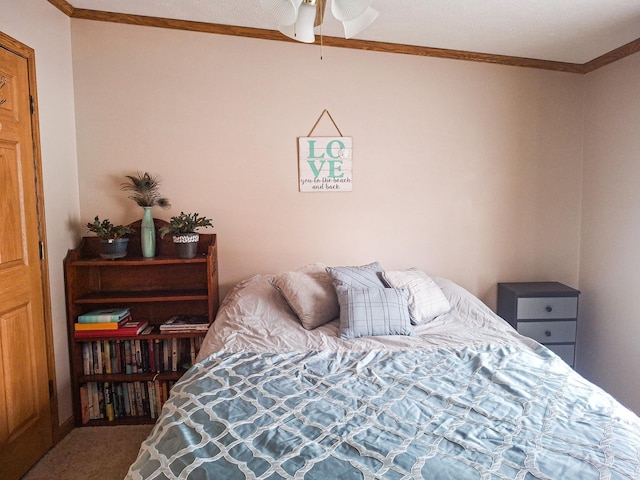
{"type": "Point", "coordinates": [185, 223]}
{"type": "Point", "coordinates": [107, 230]}
{"type": "Point", "coordinates": [144, 188]}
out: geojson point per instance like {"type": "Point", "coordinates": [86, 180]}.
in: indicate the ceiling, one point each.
{"type": "Point", "coordinates": [569, 31]}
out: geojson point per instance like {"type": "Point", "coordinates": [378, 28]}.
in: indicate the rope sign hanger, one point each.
{"type": "Point", "coordinates": [318, 121]}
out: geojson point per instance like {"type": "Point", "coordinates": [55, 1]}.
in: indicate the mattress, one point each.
{"type": "Point", "coordinates": [465, 397]}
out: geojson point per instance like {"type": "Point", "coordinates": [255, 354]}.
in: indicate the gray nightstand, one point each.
{"type": "Point", "coordinates": [544, 311]}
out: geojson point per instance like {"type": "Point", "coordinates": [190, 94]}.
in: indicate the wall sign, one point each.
{"type": "Point", "coordinates": [325, 164]}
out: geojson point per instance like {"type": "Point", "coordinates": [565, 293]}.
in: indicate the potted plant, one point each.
{"type": "Point", "coordinates": [114, 242]}
{"type": "Point", "coordinates": [183, 227]}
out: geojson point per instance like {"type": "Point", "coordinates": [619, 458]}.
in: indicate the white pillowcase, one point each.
{"type": "Point", "coordinates": [426, 300]}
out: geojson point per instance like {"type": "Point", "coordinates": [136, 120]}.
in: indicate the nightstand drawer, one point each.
{"type": "Point", "coordinates": [541, 308]}
{"type": "Point", "coordinates": [549, 332]}
{"type": "Point", "coordinates": [565, 352]}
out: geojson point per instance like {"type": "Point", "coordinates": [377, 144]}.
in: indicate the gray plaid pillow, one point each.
{"type": "Point", "coordinates": [373, 311]}
{"type": "Point", "coordinates": [365, 276]}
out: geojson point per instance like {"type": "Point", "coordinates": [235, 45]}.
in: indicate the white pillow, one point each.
{"type": "Point", "coordinates": [426, 300]}
{"type": "Point", "coordinates": [310, 294]}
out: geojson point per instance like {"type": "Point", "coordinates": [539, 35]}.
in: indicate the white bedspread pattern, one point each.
{"type": "Point", "coordinates": [465, 398]}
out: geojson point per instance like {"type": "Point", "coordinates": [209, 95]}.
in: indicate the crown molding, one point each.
{"type": "Point", "coordinates": [264, 34]}
{"type": "Point", "coordinates": [64, 6]}
{"type": "Point", "coordinates": [613, 56]}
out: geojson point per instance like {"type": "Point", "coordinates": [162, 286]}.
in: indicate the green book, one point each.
{"type": "Point", "coordinates": [104, 315]}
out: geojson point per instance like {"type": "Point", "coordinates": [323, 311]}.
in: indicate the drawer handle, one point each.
{"type": "Point", "coordinates": [549, 308]}
{"type": "Point", "coordinates": [547, 333]}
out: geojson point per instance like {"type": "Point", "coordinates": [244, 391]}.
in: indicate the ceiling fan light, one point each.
{"type": "Point", "coordinates": [347, 10]}
{"type": "Point", "coordinates": [284, 12]}
{"type": "Point", "coordinates": [355, 26]}
{"type": "Point", "coordinates": [302, 29]}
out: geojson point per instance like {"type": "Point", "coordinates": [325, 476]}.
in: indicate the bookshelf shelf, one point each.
{"type": "Point", "coordinates": [149, 336]}
{"type": "Point", "coordinates": [133, 420]}
{"type": "Point", "coordinates": [132, 377]}
{"type": "Point", "coordinates": [142, 296]}
{"type": "Point", "coordinates": [135, 261]}
{"type": "Point", "coordinates": [155, 290]}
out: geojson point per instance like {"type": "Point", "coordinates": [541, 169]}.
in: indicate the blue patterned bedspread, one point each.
{"type": "Point", "coordinates": [472, 413]}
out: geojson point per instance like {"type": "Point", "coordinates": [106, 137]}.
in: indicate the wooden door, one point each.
{"type": "Point", "coordinates": [25, 414]}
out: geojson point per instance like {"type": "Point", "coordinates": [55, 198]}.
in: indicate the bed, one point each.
{"type": "Point", "coordinates": [287, 386]}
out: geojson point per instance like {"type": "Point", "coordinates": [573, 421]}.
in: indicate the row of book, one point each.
{"type": "Point", "coordinates": [117, 322]}
{"type": "Point", "coordinates": [139, 355]}
{"type": "Point", "coordinates": [113, 401]}
{"type": "Point", "coordinates": [112, 322]}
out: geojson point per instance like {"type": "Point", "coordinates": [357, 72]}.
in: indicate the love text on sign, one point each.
{"type": "Point", "coordinates": [325, 164]}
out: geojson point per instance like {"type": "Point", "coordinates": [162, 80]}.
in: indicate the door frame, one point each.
{"type": "Point", "coordinates": [22, 50]}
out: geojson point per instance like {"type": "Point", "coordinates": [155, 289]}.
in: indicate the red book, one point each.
{"type": "Point", "coordinates": [103, 325]}
{"type": "Point", "coordinates": [129, 329]}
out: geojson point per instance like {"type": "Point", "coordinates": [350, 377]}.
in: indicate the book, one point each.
{"type": "Point", "coordinates": [138, 399]}
{"type": "Point", "coordinates": [102, 410]}
{"type": "Point", "coordinates": [132, 399]}
{"type": "Point", "coordinates": [147, 330]}
{"type": "Point", "coordinates": [98, 363]}
{"type": "Point", "coordinates": [152, 356]}
{"type": "Point", "coordinates": [136, 356]}
{"type": "Point", "coordinates": [174, 354]}
{"type": "Point", "coordinates": [129, 329]}
{"type": "Point", "coordinates": [101, 325]}
{"type": "Point", "coordinates": [86, 359]}
{"type": "Point", "coordinates": [108, 401]}
{"type": "Point", "coordinates": [104, 315]}
{"type": "Point", "coordinates": [106, 356]}
{"type": "Point", "coordinates": [92, 398]}
{"type": "Point", "coordinates": [157, 349]}
{"type": "Point", "coordinates": [158, 395]}
{"type": "Point", "coordinates": [166, 357]}
{"type": "Point", "coordinates": [153, 411]}
{"type": "Point", "coordinates": [118, 400]}
{"type": "Point", "coordinates": [127, 357]}
{"type": "Point", "coordinates": [125, 400]}
{"type": "Point", "coordinates": [118, 359]}
{"type": "Point", "coordinates": [186, 323]}
{"type": "Point", "coordinates": [84, 403]}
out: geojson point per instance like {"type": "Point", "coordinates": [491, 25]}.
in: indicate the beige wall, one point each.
{"type": "Point", "coordinates": [42, 27]}
{"type": "Point", "coordinates": [467, 170]}
{"type": "Point", "coordinates": [609, 332]}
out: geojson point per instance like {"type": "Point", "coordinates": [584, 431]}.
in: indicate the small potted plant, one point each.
{"type": "Point", "coordinates": [114, 242]}
{"type": "Point", "coordinates": [183, 227]}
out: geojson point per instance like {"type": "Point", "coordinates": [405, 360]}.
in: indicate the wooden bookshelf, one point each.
{"type": "Point", "coordinates": [154, 289]}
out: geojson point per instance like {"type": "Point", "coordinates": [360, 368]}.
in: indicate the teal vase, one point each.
{"type": "Point", "coordinates": [148, 234]}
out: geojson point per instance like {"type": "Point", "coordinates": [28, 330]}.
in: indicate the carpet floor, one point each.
{"type": "Point", "coordinates": [87, 453]}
